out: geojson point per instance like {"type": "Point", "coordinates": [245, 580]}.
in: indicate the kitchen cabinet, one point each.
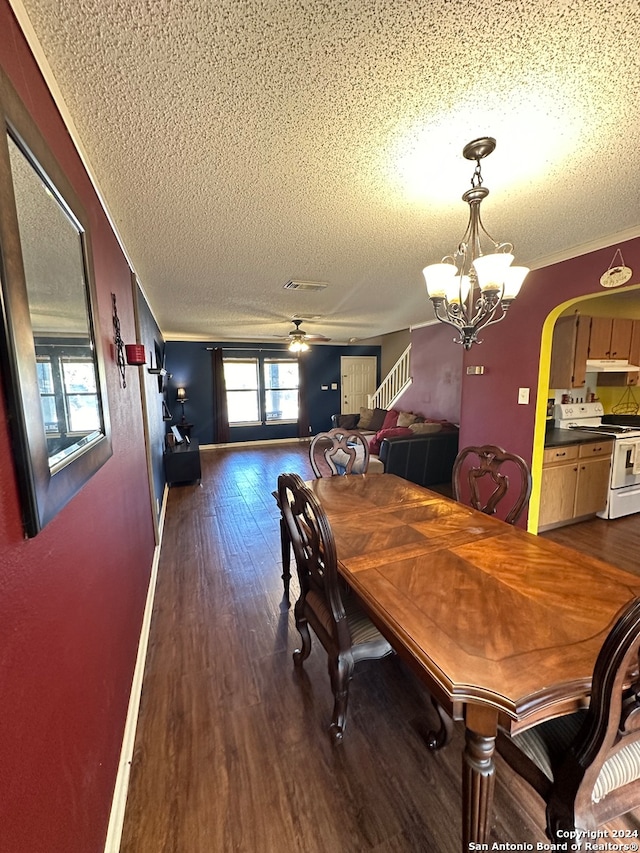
{"type": "Point", "coordinates": [569, 352]}
{"type": "Point", "coordinates": [575, 482]}
{"type": "Point", "coordinates": [610, 337]}
{"type": "Point", "coordinates": [631, 353]}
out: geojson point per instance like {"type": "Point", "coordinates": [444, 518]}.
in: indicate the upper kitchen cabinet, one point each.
{"type": "Point", "coordinates": [569, 352]}
{"type": "Point", "coordinates": [610, 337]}
{"type": "Point", "coordinates": [633, 357]}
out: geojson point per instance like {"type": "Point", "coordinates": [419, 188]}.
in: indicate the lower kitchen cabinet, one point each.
{"type": "Point", "coordinates": [575, 482]}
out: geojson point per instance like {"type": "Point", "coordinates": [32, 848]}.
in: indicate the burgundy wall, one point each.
{"type": "Point", "coordinates": [72, 598]}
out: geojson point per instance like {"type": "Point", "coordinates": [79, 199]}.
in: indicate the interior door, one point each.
{"type": "Point", "coordinates": [358, 381]}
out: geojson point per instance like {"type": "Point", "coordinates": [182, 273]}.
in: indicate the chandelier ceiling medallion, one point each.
{"type": "Point", "coordinates": [470, 289]}
{"type": "Point", "coordinates": [298, 338]}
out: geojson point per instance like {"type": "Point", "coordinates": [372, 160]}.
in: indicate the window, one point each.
{"type": "Point", "coordinates": [47, 395]}
{"type": "Point", "coordinates": [261, 390]}
{"type": "Point", "coordinates": [68, 392]}
{"type": "Point", "coordinates": [80, 395]}
{"type": "Point", "coordinates": [281, 390]}
{"type": "Point", "coordinates": [243, 392]}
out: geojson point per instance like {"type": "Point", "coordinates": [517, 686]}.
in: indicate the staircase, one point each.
{"type": "Point", "coordinates": [393, 385]}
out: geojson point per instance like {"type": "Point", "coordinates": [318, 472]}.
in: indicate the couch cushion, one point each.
{"type": "Point", "coordinates": [348, 421]}
{"type": "Point", "coordinates": [390, 419]}
{"type": "Point", "coordinates": [374, 444]}
{"type": "Point", "coordinates": [424, 428]}
{"type": "Point", "coordinates": [365, 418]}
{"type": "Point", "coordinates": [377, 420]}
{"type": "Point", "coordinates": [405, 419]}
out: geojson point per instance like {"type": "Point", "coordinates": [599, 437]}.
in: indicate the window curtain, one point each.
{"type": "Point", "coordinates": [220, 412]}
{"type": "Point", "coordinates": [303, 405]}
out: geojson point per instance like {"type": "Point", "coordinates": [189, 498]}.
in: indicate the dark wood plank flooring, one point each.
{"type": "Point", "coordinates": [232, 751]}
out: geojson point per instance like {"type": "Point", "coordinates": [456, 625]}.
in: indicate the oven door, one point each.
{"type": "Point", "coordinates": [626, 460]}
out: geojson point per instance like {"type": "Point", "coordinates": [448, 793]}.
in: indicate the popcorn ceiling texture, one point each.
{"type": "Point", "coordinates": [241, 143]}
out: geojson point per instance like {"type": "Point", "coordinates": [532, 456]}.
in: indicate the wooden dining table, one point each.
{"type": "Point", "coordinates": [503, 627]}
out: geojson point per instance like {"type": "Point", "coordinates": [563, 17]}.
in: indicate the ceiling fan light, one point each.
{"type": "Point", "coordinates": [298, 345]}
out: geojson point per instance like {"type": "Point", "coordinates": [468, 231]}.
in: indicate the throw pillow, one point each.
{"type": "Point", "coordinates": [348, 421]}
{"type": "Point", "coordinates": [405, 419]}
{"type": "Point", "coordinates": [365, 418]}
{"type": "Point", "coordinates": [390, 419]}
{"type": "Point", "coordinates": [377, 420]}
{"type": "Point", "coordinates": [423, 429]}
{"type": "Point", "coordinates": [374, 446]}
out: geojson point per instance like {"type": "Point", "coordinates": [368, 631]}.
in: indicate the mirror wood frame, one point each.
{"type": "Point", "coordinates": [43, 493]}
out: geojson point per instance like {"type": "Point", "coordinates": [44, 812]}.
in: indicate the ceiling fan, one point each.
{"type": "Point", "coordinates": [299, 340]}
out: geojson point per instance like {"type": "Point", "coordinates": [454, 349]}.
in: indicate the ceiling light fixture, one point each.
{"type": "Point", "coordinates": [298, 338]}
{"type": "Point", "coordinates": [469, 289]}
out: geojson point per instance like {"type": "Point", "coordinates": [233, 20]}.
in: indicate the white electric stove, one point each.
{"type": "Point", "coordinates": [624, 484]}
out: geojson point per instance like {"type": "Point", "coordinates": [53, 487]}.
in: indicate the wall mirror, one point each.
{"type": "Point", "coordinates": [52, 366]}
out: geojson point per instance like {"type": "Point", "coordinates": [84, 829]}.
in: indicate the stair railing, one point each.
{"type": "Point", "coordinates": [394, 384]}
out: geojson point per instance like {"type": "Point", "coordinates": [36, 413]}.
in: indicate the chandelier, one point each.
{"type": "Point", "coordinates": [298, 338]}
{"type": "Point", "coordinates": [470, 289]}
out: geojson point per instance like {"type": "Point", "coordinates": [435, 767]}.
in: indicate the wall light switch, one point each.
{"type": "Point", "coordinates": [334, 386]}
{"type": "Point", "coordinates": [324, 387]}
{"type": "Point", "coordinates": [523, 396]}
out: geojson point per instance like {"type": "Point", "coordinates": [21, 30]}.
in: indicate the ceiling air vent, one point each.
{"type": "Point", "coordinates": [296, 284]}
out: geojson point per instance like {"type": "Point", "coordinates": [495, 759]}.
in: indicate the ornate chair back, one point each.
{"type": "Point", "coordinates": [479, 479]}
{"type": "Point", "coordinates": [315, 554]}
{"type": "Point", "coordinates": [339, 451]}
{"type": "Point", "coordinates": [587, 766]}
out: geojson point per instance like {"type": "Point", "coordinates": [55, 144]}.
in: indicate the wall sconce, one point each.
{"type": "Point", "coordinates": [181, 397]}
{"type": "Point", "coordinates": [135, 354]}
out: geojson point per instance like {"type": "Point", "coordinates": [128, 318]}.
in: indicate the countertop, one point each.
{"type": "Point", "coordinates": [559, 437]}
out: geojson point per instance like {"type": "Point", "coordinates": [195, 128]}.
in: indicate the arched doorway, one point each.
{"type": "Point", "coordinates": [618, 304]}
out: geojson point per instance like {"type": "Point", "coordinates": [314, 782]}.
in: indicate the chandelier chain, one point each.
{"type": "Point", "coordinates": [476, 178]}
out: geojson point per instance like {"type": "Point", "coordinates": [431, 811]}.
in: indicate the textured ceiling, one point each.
{"type": "Point", "coordinates": [242, 143]}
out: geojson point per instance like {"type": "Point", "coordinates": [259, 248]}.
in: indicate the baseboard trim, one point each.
{"type": "Point", "coordinates": [230, 445]}
{"type": "Point", "coordinates": [119, 802]}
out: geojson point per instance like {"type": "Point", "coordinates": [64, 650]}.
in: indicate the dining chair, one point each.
{"type": "Point", "coordinates": [339, 451]}
{"type": "Point", "coordinates": [586, 765]}
{"type": "Point", "coordinates": [478, 477]}
{"type": "Point", "coordinates": [326, 604]}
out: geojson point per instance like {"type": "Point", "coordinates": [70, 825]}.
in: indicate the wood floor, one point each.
{"type": "Point", "coordinates": [232, 751]}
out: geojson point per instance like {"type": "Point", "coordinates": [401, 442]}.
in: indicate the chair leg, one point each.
{"type": "Point", "coordinates": [340, 673]}
{"type": "Point", "coordinates": [302, 654]}
{"type": "Point", "coordinates": [285, 547]}
{"type": "Point", "coordinates": [436, 740]}
{"type": "Point", "coordinates": [561, 821]}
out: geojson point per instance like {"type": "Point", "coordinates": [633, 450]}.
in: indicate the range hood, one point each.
{"type": "Point", "coordinates": [610, 365]}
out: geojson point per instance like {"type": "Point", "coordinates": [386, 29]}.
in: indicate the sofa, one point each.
{"type": "Point", "coordinates": [420, 450]}
{"type": "Point", "coordinates": [423, 459]}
